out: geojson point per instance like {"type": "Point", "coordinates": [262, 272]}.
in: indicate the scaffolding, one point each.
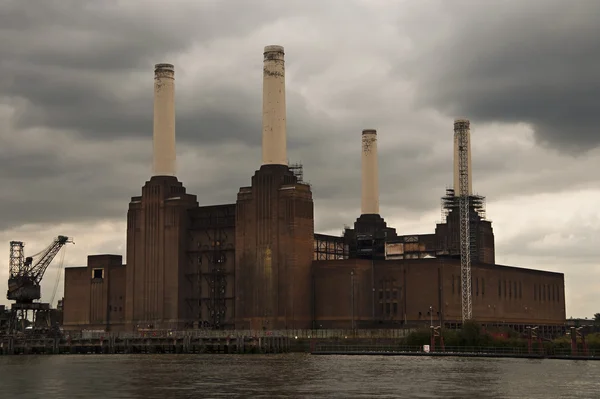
{"type": "Point", "coordinates": [450, 205]}
{"type": "Point", "coordinates": [461, 131]}
{"type": "Point", "coordinates": [298, 171]}
{"type": "Point", "coordinates": [213, 257]}
{"type": "Point", "coordinates": [328, 247]}
{"type": "Point", "coordinates": [216, 278]}
{"type": "Point", "coordinates": [450, 202]}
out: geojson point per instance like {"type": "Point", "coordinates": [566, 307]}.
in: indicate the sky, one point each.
{"type": "Point", "coordinates": [76, 95]}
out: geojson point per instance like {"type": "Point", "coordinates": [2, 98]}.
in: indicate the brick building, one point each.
{"type": "Point", "coordinates": [257, 263]}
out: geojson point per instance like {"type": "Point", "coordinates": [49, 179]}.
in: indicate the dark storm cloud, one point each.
{"type": "Point", "coordinates": [85, 70]}
{"type": "Point", "coordinates": [54, 185]}
{"type": "Point", "coordinates": [69, 62]}
{"type": "Point", "coordinates": [534, 62]}
{"type": "Point", "coordinates": [79, 74]}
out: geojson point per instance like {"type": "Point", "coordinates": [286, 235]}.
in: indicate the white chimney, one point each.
{"type": "Point", "coordinates": [164, 120]}
{"type": "Point", "coordinates": [461, 125]}
{"type": "Point", "coordinates": [370, 173]}
{"type": "Point", "coordinates": [274, 149]}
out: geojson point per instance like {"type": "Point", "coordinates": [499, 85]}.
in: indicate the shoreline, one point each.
{"type": "Point", "coordinates": [456, 354]}
{"type": "Point", "coordinates": [12, 346]}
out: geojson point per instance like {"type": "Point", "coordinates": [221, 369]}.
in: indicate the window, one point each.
{"type": "Point", "coordinates": [499, 289]}
{"type": "Point", "coordinates": [543, 292]}
{"type": "Point", "coordinates": [535, 292]}
{"type": "Point", "coordinates": [520, 291]}
{"type": "Point", "coordinates": [509, 289]}
{"type": "Point", "coordinates": [453, 284]}
{"type": "Point", "coordinates": [482, 287]}
{"type": "Point", "coordinates": [395, 308]}
{"type": "Point", "coordinates": [98, 273]}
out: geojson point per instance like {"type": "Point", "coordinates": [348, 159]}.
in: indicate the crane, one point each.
{"type": "Point", "coordinates": [461, 129]}
{"type": "Point", "coordinates": [25, 276]}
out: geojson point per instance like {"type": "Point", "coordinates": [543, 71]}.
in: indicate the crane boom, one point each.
{"type": "Point", "coordinates": [37, 270]}
{"type": "Point", "coordinates": [25, 275]}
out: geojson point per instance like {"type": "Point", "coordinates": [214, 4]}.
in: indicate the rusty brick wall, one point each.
{"type": "Point", "coordinates": [274, 251]}
{"type": "Point", "coordinates": [296, 220]}
{"type": "Point", "coordinates": [157, 231]}
{"type": "Point", "coordinates": [448, 239]}
{"type": "Point", "coordinates": [116, 296]}
{"type": "Point", "coordinates": [414, 285]}
{"type": "Point", "coordinates": [101, 289]}
{"type": "Point", "coordinates": [95, 302]}
{"type": "Point", "coordinates": [342, 290]}
{"type": "Point", "coordinates": [508, 294]}
{"type": "Point", "coordinates": [76, 303]}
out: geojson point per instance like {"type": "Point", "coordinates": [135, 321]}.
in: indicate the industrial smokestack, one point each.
{"type": "Point", "coordinates": [274, 149]}
{"type": "Point", "coordinates": [164, 120]}
{"type": "Point", "coordinates": [460, 126]}
{"type": "Point", "coordinates": [370, 173]}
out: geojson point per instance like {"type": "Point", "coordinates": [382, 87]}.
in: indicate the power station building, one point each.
{"type": "Point", "coordinates": [257, 263]}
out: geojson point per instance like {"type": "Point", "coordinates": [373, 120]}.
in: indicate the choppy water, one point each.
{"type": "Point", "coordinates": [293, 376]}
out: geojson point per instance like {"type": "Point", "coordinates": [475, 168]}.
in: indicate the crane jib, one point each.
{"type": "Point", "coordinates": [26, 273]}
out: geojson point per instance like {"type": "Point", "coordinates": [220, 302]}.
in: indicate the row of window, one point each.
{"type": "Point", "coordinates": [546, 292]}
{"type": "Point", "coordinates": [477, 285]}
{"type": "Point", "coordinates": [389, 308]}
{"type": "Point", "coordinates": [510, 289]}
{"type": "Point", "coordinates": [389, 294]}
{"type": "Point", "coordinates": [515, 289]}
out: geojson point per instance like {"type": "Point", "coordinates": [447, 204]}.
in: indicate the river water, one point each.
{"type": "Point", "coordinates": [293, 376]}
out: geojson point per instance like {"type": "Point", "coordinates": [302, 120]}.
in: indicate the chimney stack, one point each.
{"type": "Point", "coordinates": [370, 173]}
{"type": "Point", "coordinates": [462, 125]}
{"type": "Point", "coordinates": [164, 120]}
{"type": "Point", "coordinates": [274, 149]}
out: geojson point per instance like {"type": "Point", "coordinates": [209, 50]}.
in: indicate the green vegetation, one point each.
{"type": "Point", "coordinates": [473, 335]}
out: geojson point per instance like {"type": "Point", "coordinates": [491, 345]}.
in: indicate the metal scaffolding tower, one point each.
{"type": "Point", "coordinates": [216, 278]}
{"type": "Point", "coordinates": [298, 171]}
{"type": "Point", "coordinates": [461, 130]}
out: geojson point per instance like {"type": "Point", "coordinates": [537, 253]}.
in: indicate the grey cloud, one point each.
{"type": "Point", "coordinates": [70, 60]}
{"type": "Point", "coordinates": [47, 188]}
{"type": "Point", "coordinates": [97, 86]}
{"type": "Point", "coordinates": [533, 62]}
